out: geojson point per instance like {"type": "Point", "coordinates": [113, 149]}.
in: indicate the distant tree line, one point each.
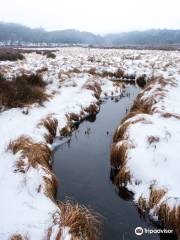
{"type": "Point", "coordinates": [11, 33]}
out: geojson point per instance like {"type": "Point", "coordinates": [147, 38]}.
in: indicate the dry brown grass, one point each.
{"type": "Point", "coordinates": [93, 86]}
{"type": "Point", "coordinates": [92, 109]}
{"type": "Point", "coordinates": [73, 117]}
{"type": "Point", "coordinates": [170, 217]}
{"type": "Point", "coordinates": [142, 204]}
{"type": "Point", "coordinates": [20, 166]}
{"type": "Point", "coordinates": [155, 196]}
{"type": "Point", "coordinates": [50, 55]}
{"type": "Point", "coordinates": [50, 124]}
{"type": "Point", "coordinates": [42, 70]}
{"type": "Point", "coordinates": [10, 54]}
{"type": "Point", "coordinates": [119, 155]}
{"type": "Point", "coordinates": [141, 81]}
{"type": "Point", "coordinates": [119, 73]}
{"type": "Point", "coordinates": [92, 71]}
{"type": "Point", "coordinates": [37, 153]}
{"type": "Point", "coordinates": [65, 131]}
{"type": "Point", "coordinates": [22, 91]}
{"type": "Point", "coordinates": [123, 177]}
{"type": "Point", "coordinates": [169, 115]}
{"type": "Point", "coordinates": [50, 185]}
{"type": "Point", "coordinates": [18, 237]}
{"type": "Point", "coordinates": [83, 222]}
{"type": "Point", "coordinates": [153, 139]}
{"type": "Point", "coordinates": [120, 132]}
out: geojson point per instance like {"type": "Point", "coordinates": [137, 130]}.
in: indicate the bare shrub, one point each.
{"type": "Point", "coordinates": [141, 81]}
{"type": "Point", "coordinates": [22, 90]}
{"type": "Point", "coordinates": [83, 222]}
{"type": "Point", "coordinates": [50, 55]}
{"type": "Point", "coordinates": [10, 54]}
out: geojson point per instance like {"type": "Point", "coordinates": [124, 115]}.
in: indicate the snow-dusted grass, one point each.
{"type": "Point", "coordinates": [26, 206]}
{"type": "Point", "coordinates": [149, 164]}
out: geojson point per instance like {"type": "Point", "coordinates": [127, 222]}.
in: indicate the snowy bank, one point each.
{"type": "Point", "coordinates": [28, 187]}
{"type": "Point", "coordinates": [145, 151]}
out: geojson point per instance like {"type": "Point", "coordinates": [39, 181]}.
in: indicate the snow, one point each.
{"type": "Point", "coordinates": [24, 209]}
{"type": "Point", "coordinates": [29, 212]}
{"type": "Point", "coordinates": [156, 163]}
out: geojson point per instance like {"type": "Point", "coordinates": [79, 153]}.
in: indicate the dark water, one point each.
{"type": "Point", "coordinates": [82, 166]}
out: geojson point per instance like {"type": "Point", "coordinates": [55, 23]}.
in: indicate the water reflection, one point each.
{"type": "Point", "coordinates": [82, 166]}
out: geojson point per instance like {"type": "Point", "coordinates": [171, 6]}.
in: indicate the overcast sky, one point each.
{"type": "Point", "coordinates": [98, 16]}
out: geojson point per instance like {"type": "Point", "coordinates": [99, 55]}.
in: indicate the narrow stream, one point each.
{"type": "Point", "coordinates": [82, 166]}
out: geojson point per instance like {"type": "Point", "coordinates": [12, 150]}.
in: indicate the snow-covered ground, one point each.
{"type": "Point", "coordinates": [24, 205]}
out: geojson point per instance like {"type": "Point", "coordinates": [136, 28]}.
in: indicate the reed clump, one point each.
{"type": "Point", "coordinates": [83, 222]}
{"type": "Point", "coordinates": [37, 153]}
{"type": "Point", "coordinates": [50, 124]}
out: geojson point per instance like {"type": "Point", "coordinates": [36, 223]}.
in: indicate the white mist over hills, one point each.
{"type": "Point", "coordinates": [16, 34]}
{"type": "Point", "coordinates": [97, 16]}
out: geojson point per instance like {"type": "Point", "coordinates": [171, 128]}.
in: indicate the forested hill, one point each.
{"type": "Point", "coordinates": [11, 33]}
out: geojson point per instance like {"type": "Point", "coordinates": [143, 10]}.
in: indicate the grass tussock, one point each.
{"type": "Point", "coordinates": [50, 55]}
{"type": "Point", "coordinates": [95, 87]}
{"type": "Point", "coordinates": [37, 153]}
{"type": "Point", "coordinates": [120, 132]}
{"type": "Point", "coordinates": [83, 222]}
{"type": "Point", "coordinates": [42, 70]}
{"type": "Point", "coordinates": [147, 105]}
{"type": "Point", "coordinates": [142, 204]}
{"type": "Point", "coordinates": [50, 124]}
{"type": "Point", "coordinates": [50, 188]}
{"type": "Point", "coordinates": [92, 109]}
{"type": "Point", "coordinates": [73, 117]}
{"type": "Point", "coordinates": [10, 54]}
{"type": "Point", "coordinates": [155, 196]}
{"type": "Point", "coordinates": [170, 217]}
{"type": "Point", "coordinates": [123, 177]}
{"type": "Point", "coordinates": [141, 81]}
{"type": "Point", "coordinates": [65, 131]}
{"type": "Point", "coordinates": [22, 91]}
{"type": "Point", "coordinates": [119, 155]}
{"type": "Point", "coordinates": [18, 237]}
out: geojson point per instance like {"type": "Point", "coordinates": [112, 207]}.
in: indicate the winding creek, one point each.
{"type": "Point", "coordinates": [82, 165]}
